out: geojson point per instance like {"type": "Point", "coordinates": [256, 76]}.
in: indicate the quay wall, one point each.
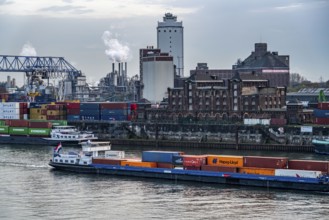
{"type": "Point", "coordinates": [158, 144]}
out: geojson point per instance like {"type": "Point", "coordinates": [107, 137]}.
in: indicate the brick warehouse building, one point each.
{"type": "Point", "coordinates": [204, 97]}
{"type": "Point", "coordinates": [269, 65]}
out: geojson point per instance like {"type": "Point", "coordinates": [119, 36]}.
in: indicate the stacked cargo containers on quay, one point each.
{"type": "Point", "coordinates": [321, 114]}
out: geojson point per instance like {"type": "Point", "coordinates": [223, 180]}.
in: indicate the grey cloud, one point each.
{"type": "Point", "coordinates": [67, 8]}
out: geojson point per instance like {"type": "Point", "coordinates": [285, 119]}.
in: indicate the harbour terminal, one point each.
{"type": "Point", "coordinates": [249, 106]}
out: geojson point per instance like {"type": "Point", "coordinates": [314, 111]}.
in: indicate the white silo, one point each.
{"type": "Point", "coordinates": [170, 39]}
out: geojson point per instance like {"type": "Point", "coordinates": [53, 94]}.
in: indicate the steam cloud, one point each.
{"type": "Point", "coordinates": [28, 50]}
{"type": "Point", "coordinates": [116, 51]}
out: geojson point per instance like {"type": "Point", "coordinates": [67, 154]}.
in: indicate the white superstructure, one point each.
{"type": "Point", "coordinates": [170, 39]}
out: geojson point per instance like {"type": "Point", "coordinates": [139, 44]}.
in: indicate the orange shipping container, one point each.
{"type": "Point", "coordinates": [219, 169]}
{"type": "Point", "coordinates": [107, 161]}
{"type": "Point", "coordinates": [225, 160]}
{"type": "Point", "coordinates": [256, 170]}
{"type": "Point", "coordinates": [138, 163]}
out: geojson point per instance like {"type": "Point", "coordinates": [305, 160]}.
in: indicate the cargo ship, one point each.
{"type": "Point", "coordinates": [255, 171]}
{"type": "Point", "coordinates": [41, 133]}
{"type": "Point", "coordinates": [321, 146]}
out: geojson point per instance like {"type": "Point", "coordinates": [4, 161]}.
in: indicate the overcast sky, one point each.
{"type": "Point", "coordinates": [215, 31]}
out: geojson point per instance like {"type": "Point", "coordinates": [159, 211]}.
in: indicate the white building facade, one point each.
{"type": "Point", "coordinates": [158, 75]}
{"type": "Point", "coordinates": [170, 39]}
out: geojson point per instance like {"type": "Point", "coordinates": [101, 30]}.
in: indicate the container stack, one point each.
{"type": "Point", "coordinates": [73, 111]}
{"type": "Point", "coordinates": [89, 111]}
{"type": "Point", "coordinates": [253, 165]}
{"type": "Point", "coordinates": [56, 112]}
{"type": "Point", "coordinates": [112, 111]}
{"type": "Point", "coordinates": [38, 111]}
{"type": "Point", "coordinates": [321, 114]}
{"type": "Point", "coordinates": [26, 127]}
{"type": "Point", "coordinates": [4, 97]}
{"type": "Point", "coordinates": [13, 110]}
{"type": "Point", "coordinates": [39, 128]}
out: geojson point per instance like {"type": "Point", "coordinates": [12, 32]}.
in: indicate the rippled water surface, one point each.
{"type": "Point", "coordinates": [30, 189]}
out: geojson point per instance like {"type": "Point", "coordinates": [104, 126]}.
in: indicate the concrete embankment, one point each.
{"type": "Point", "coordinates": [158, 144]}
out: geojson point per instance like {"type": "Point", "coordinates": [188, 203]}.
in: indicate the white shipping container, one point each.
{"type": "Point", "coordinates": [251, 121]}
{"type": "Point", "coordinates": [265, 121]}
{"type": "Point", "coordinates": [114, 154]}
{"type": "Point", "coordinates": [298, 173]}
{"type": "Point", "coordinates": [9, 117]}
{"type": "Point", "coordinates": [10, 111]}
{"type": "Point", "coordinates": [10, 105]}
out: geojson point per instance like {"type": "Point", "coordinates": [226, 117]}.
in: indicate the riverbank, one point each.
{"type": "Point", "coordinates": [158, 144]}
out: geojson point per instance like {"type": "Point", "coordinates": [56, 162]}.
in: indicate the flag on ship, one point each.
{"type": "Point", "coordinates": [58, 148]}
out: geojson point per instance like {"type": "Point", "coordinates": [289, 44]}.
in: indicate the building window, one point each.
{"type": "Point", "coordinates": [175, 30]}
{"type": "Point", "coordinates": [169, 30]}
{"type": "Point", "coordinates": [164, 31]}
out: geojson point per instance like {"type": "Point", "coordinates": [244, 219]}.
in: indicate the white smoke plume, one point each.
{"type": "Point", "coordinates": [28, 50]}
{"type": "Point", "coordinates": [116, 51]}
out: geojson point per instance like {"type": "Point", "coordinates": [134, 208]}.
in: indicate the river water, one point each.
{"type": "Point", "coordinates": [30, 189]}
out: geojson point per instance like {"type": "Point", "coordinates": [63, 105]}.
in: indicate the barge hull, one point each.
{"type": "Point", "coordinates": [34, 141]}
{"type": "Point", "coordinates": [304, 184]}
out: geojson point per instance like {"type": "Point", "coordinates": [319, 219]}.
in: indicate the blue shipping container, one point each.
{"type": "Point", "coordinates": [159, 156]}
{"type": "Point", "coordinates": [177, 160]}
{"type": "Point", "coordinates": [89, 112]}
{"type": "Point", "coordinates": [90, 105]}
{"type": "Point", "coordinates": [114, 112]}
{"type": "Point", "coordinates": [321, 113]}
{"type": "Point", "coordinates": [114, 118]}
{"type": "Point", "coordinates": [90, 117]}
{"type": "Point", "coordinates": [73, 117]}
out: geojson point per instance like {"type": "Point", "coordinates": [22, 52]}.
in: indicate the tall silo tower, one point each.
{"type": "Point", "coordinates": [170, 39]}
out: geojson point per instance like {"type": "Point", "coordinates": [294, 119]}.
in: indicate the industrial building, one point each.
{"type": "Point", "coordinates": [222, 98]}
{"type": "Point", "coordinates": [170, 39]}
{"type": "Point", "coordinates": [264, 63]}
{"type": "Point", "coordinates": [158, 75]}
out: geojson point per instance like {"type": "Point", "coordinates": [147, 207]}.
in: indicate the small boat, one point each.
{"type": "Point", "coordinates": [321, 146]}
{"type": "Point", "coordinates": [68, 135]}
{"type": "Point", "coordinates": [97, 159]}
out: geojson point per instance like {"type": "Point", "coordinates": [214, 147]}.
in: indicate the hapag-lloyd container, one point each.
{"type": "Point", "coordinates": [265, 162]}
{"type": "Point", "coordinates": [138, 163]}
{"type": "Point", "coordinates": [225, 160]}
{"type": "Point", "coordinates": [257, 170]}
